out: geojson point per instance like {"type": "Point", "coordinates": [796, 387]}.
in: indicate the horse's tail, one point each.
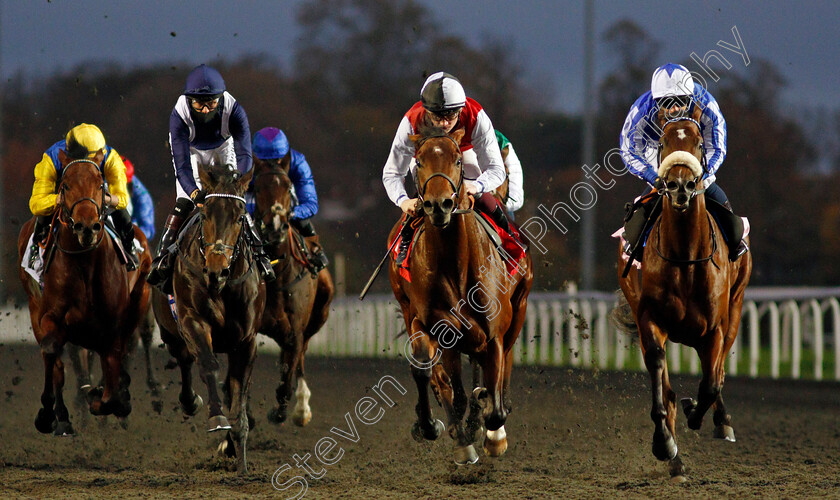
{"type": "Point", "coordinates": [622, 316]}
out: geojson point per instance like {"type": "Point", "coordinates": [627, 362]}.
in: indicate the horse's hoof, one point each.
{"type": "Point", "coordinates": [678, 479]}
{"type": "Point", "coordinates": [276, 416]}
{"type": "Point", "coordinates": [480, 394]}
{"type": "Point", "coordinates": [725, 432]}
{"type": "Point", "coordinates": [664, 449]}
{"type": "Point", "coordinates": [64, 429]}
{"type": "Point", "coordinates": [420, 435]}
{"type": "Point", "coordinates": [192, 407]}
{"type": "Point", "coordinates": [226, 448]}
{"type": "Point", "coordinates": [45, 422]}
{"type": "Point", "coordinates": [495, 442]}
{"type": "Point", "coordinates": [218, 423]}
{"type": "Point", "coordinates": [465, 455]}
{"type": "Point", "coordinates": [121, 410]}
{"type": "Point", "coordinates": [688, 404]}
{"type": "Point", "coordinates": [302, 418]}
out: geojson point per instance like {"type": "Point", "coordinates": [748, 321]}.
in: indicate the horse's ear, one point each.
{"type": "Point", "coordinates": [660, 117]}
{"type": "Point", "coordinates": [458, 134]}
{"type": "Point", "coordinates": [286, 162]}
{"type": "Point", "coordinates": [415, 138]}
{"type": "Point", "coordinates": [99, 156]}
{"type": "Point", "coordinates": [696, 113]}
{"type": "Point", "coordinates": [206, 178]}
{"type": "Point", "coordinates": [63, 159]}
{"type": "Point", "coordinates": [243, 182]}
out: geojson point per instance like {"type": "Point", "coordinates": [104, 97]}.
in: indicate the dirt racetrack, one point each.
{"type": "Point", "coordinates": [572, 434]}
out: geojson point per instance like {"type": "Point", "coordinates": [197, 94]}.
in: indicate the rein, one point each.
{"type": "Point", "coordinates": [688, 261]}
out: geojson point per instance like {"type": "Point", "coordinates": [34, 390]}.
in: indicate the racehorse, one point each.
{"type": "Point", "coordinates": [297, 302]}
{"type": "Point", "coordinates": [688, 292]}
{"type": "Point", "coordinates": [218, 298]}
{"type": "Point", "coordinates": [88, 297]}
{"type": "Point", "coordinates": [454, 262]}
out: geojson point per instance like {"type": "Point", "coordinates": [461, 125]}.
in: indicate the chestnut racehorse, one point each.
{"type": "Point", "coordinates": [688, 292]}
{"type": "Point", "coordinates": [460, 300]}
{"type": "Point", "coordinates": [297, 303]}
{"type": "Point", "coordinates": [88, 298]}
{"type": "Point", "coordinates": [219, 298]}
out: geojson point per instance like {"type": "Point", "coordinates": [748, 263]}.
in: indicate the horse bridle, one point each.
{"type": "Point", "coordinates": [697, 180]}
{"type": "Point", "coordinates": [272, 236]}
{"type": "Point", "coordinates": [67, 213]}
{"type": "Point", "coordinates": [219, 248]}
{"type": "Point", "coordinates": [456, 188]}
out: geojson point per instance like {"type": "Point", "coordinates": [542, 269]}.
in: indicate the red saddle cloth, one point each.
{"type": "Point", "coordinates": [510, 246]}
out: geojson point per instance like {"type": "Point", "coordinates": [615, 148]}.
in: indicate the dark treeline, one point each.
{"type": "Point", "coordinates": [359, 66]}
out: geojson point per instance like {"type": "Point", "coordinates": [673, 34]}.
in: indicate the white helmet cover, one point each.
{"type": "Point", "coordinates": [671, 80]}
{"type": "Point", "coordinates": [442, 92]}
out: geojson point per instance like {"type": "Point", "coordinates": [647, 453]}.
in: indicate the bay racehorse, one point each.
{"type": "Point", "coordinates": [297, 302]}
{"type": "Point", "coordinates": [88, 297]}
{"type": "Point", "coordinates": [460, 299]}
{"type": "Point", "coordinates": [688, 292]}
{"type": "Point", "coordinates": [218, 298]}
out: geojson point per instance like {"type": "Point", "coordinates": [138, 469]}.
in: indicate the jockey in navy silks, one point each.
{"type": "Point", "coordinates": [270, 144]}
{"type": "Point", "coordinates": [207, 127]}
{"type": "Point", "coordinates": [674, 89]}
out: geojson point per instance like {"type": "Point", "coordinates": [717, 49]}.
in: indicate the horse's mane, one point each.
{"type": "Point", "coordinates": [428, 131]}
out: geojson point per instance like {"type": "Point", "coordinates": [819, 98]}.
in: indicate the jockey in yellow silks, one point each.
{"type": "Point", "coordinates": [82, 142]}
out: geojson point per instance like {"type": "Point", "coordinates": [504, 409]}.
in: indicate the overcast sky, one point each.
{"type": "Point", "coordinates": [801, 38]}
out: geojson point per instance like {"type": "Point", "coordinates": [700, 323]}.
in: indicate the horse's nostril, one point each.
{"type": "Point", "coordinates": [448, 204]}
{"type": "Point", "coordinates": [427, 205]}
{"type": "Point", "coordinates": [224, 274]}
{"type": "Point", "coordinates": [77, 227]}
{"type": "Point", "coordinates": [97, 227]}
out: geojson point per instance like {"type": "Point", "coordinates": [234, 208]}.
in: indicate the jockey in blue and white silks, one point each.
{"type": "Point", "coordinates": [674, 89]}
{"type": "Point", "coordinates": [640, 134]}
{"type": "Point", "coordinates": [271, 145]}
{"type": "Point", "coordinates": [206, 127]}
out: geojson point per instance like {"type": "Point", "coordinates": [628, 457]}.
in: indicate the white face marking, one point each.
{"type": "Point", "coordinates": [438, 150]}
{"type": "Point", "coordinates": [681, 133]}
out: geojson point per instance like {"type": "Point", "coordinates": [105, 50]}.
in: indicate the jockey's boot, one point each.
{"type": "Point", "coordinates": [405, 236]}
{"type": "Point", "coordinates": [263, 262]}
{"type": "Point", "coordinates": [733, 228]}
{"type": "Point", "coordinates": [634, 224]}
{"type": "Point", "coordinates": [318, 259]}
{"type": "Point", "coordinates": [39, 232]}
{"type": "Point", "coordinates": [499, 216]}
{"type": "Point", "coordinates": [125, 228]}
{"type": "Point", "coordinates": [159, 276]}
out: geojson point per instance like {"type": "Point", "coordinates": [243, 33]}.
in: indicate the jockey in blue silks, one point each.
{"type": "Point", "coordinates": [270, 144]}
{"type": "Point", "coordinates": [674, 89]}
{"type": "Point", "coordinates": [141, 207]}
{"type": "Point", "coordinates": [206, 127]}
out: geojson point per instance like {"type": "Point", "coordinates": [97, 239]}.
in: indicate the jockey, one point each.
{"type": "Point", "coordinates": [516, 193]}
{"type": "Point", "coordinates": [140, 202]}
{"type": "Point", "coordinates": [673, 88]}
{"type": "Point", "coordinates": [207, 124]}
{"type": "Point", "coordinates": [271, 145]}
{"type": "Point", "coordinates": [83, 141]}
{"type": "Point", "coordinates": [444, 104]}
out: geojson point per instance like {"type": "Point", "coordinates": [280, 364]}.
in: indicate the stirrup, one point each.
{"type": "Point", "coordinates": [266, 271]}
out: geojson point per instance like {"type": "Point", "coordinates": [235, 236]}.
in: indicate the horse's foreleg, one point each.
{"type": "Point", "coordinates": [115, 398]}
{"type": "Point", "coordinates": [711, 361]}
{"type": "Point", "coordinates": [63, 426]}
{"type": "Point", "coordinates": [283, 393]}
{"type": "Point", "coordinates": [51, 347]}
{"type": "Point", "coordinates": [653, 348]}
{"type": "Point", "coordinates": [147, 328]}
{"type": "Point", "coordinates": [495, 414]}
{"type": "Point", "coordinates": [241, 363]}
{"type": "Point", "coordinates": [447, 378]}
{"type": "Point", "coordinates": [208, 367]}
{"type": "Point", "coordinates": [422, 353]}
{"type": "Point", "coordinates": [302, 413]}
{"type": "Point", "coordinates": [475, 421]}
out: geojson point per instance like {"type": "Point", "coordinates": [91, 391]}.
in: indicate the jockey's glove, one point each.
{"type": "Point", "coordinates": [197, 196]}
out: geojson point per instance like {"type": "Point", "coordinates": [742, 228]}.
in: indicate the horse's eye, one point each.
{"type": "Point", "coordinates": [671, 185]}
{"type": "Point", "coordinates": [690, 185]}
{"type": "Point", "coordinates": [419, 165]}
{"type": "Point", "coordinates": [458, 162]}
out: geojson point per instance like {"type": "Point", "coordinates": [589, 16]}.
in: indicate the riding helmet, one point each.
{"type": "Point", "coordinates": [442, 92]}
{"type": "Point", "coordinates": [671, 80]}
{"type": "Point", "coordinates": [84, 141]}
{"type": "Point", "coordinates": [270, 143]}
